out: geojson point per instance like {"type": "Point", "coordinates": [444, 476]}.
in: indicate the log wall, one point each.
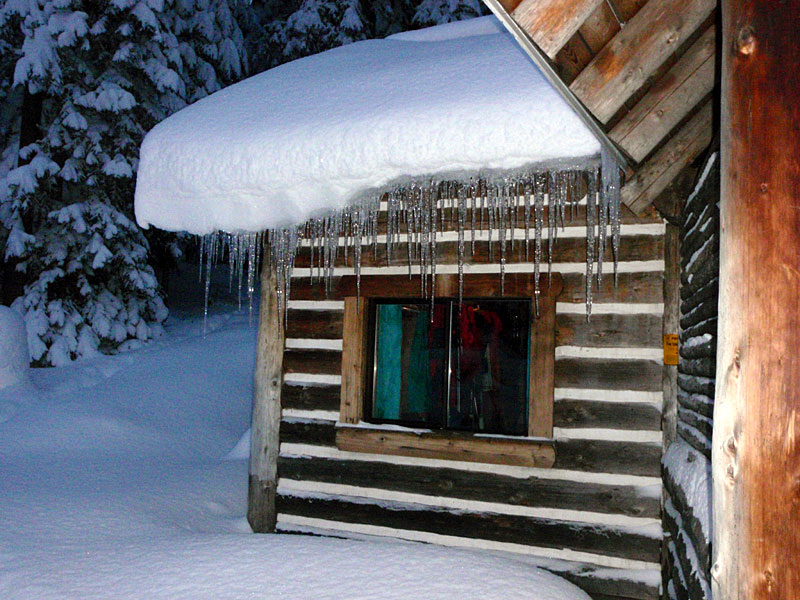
{"type": "Point", "coordinates": [687, 466]}
{"type": "Point", "coordinates": [594, 517]}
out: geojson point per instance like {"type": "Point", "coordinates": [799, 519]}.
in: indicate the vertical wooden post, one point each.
{"type": "Point", "coordinates": [672, 309]}
{"type": "Point", "coordinates": [266, 419]}
{"type": "Point", "coordinates": [756, 443]}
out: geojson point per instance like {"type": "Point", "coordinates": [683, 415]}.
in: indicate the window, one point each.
{"type": "Point", "coordinates": [468, 382]}
{"type": "Point", "coordinates": [450, 366]}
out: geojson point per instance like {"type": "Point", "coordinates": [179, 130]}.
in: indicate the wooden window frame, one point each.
{"type": "Point", "coordinates": [534, 450]}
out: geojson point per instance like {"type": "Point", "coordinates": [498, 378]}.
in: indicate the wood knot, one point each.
{"type": "Point", "coordinates": [730, 446]}
{"type": "Point", "coordinates": [746, 40]}
{"type": "Point", "coordinates": [716, 569]}
{"type": "Point", "coordinates": [763, 187]}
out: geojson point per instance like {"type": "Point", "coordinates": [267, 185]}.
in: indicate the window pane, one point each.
{"type": "Point", "coordinates": [410, 363]}
{"type": "Point", "coordinates": [489, 378]}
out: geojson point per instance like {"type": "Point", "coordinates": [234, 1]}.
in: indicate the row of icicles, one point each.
{"type": "Point", "coordinates": [416, 214]}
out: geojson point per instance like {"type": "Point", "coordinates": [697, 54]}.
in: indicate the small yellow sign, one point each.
{"type": "Point", "coordinates": [670, 349]}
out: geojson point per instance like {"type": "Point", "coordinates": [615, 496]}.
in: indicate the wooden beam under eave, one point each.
{"type": "Point", "coordinates": [636, 52]}
{"type": "Point", "coordinates": [668, 102]}
{"type": "Point", "coordinates": [654, 176]}
{"type": "Point", "coordinates": [756, 438]}
{"type": "Point", "coordinates": [551, 23]}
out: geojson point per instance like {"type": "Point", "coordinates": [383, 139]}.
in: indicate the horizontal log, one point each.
{"type": "Point", "coordinates": [708, 250]}
{"type": "Point", "coordinates": [701, 348]}
{"type": "Point", "coordinates": [699, 313]}
{"type": "Point", "coordinates": [709, 326]}
{"type": "Point", "coordinates": [709, 292]}
{"type": "Point", "coordinates": [705, 272]}
{"type": "Point", "coordinates": [689, 513]}
{"type": "Point", "coordinates": [699, 403]}
{"type": "Point", "coordinates": [308, 431]}
{"type": "Point", "coordinates": [318, 362]}
{"type": "Point", "coordinates": [694, 241]}
{"type": "Point", "coordinates": [671, 98]}
{"type": "Point", "coordinates": [609, 374]}
{"type": "Point", "coordinates": [632, 248]}
{"type": "Point", "coordinates": [311, 397]}
{"type": "Point", "coordinates": [696, 580]}
{"type": "Point", "coordinates": [609, 330]}
{"type": "Point", "coordinates": [604, 330]}
{"type": "Point", "coordinates": [606, 415]}
{"type": "Point", "coordinates": [479, 486]}
{"type": "Point", "coordinates": [601, 456]}
{"type": "Point", "coordinates": [696, 384]}
{"type": "Point", "coordinates": [447, 445]}
{"type": "Point", "coordinates": [705, 367]}
{"type": "Point", "coordinates": [631, 287]}
{"type": "Point", "coordinates": [315, 324]}
{"type": "Point", "coordinates": [499, 528]}
{"type": "Point", "coordinates": [700, 423]}
{"type": "Point", "coordinates": [631, 458]}
{"type": "Point", "coordinates": [604, 585]}
{"type": "Point", "coordinates": [695, 439]}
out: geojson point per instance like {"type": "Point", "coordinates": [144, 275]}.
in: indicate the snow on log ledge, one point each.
{"type": "Point", "coordinates": [317, 134]}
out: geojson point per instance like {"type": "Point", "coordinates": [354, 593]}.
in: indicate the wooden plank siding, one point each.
{"type": "Point", "coordinates": [599, 503]}
{"type": "Point", "coordinates": [642, 68]}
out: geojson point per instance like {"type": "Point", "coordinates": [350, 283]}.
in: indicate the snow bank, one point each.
{"type": "Point", "coordinates": [319, 133]}
{"type": "Point", "coordinates": [115, 485]}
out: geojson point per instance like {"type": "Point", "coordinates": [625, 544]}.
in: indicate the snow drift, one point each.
{"type": "Point", "coordinates": [320, 133]}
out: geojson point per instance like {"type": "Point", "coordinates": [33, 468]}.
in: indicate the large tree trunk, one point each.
{"type": "Point", "coordinates": [756, 449]}
{"type": "Point", "coordinates": [264, 431]}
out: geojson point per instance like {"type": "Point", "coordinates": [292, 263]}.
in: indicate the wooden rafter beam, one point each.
{"type": "Point", "coordinates": [551, 23]}
{"type": "Point", "coordinates": [636, 52]}
{"type": "Point", "coordinates": [669, 101]}
{"type": "Point", "coordinates": [654, 176]}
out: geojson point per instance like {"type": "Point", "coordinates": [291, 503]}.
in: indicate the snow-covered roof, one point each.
{"type": "Point", "coordinates": [322, 132]}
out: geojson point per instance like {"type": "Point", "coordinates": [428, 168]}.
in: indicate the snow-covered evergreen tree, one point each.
{"type": "Point", "coordinates": [108, 71]}
{"type": "Point", "coordinates": [436, 12]}
{"type": "Point", "coordinates": [318, 25]}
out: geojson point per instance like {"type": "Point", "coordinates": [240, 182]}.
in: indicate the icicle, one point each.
{"type": "Point", "coordinates": [473, 193]}
{"type": "Point", "coordinates": [538, 221]}
{"type": "Point", "coordinates": [611, 192]}
{"type": "Point", "coordinates": [503, 202]}
{"type": "Point", "coordinates": [591, 199]}
{"type": "Point", "coordinates": [462, 218]}
{"type": "Point", "coordinates": [207, 242]}
{"type": "Point", "coordinates": [552, 229]}
{"type": "Point", "coordinates": [527, 193]}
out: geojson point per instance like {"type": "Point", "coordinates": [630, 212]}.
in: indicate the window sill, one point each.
{"type": "Point", "coordinates": [446, 445]}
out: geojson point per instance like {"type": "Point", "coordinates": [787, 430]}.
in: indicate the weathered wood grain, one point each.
{"type": "Point", "coordinates": [499, 528]}
{"type": "Point", "coordinates": [353, 365]}
{"type": "Point", "coordinates": [266, 415]}
{"type": "Point", "coordinates": [602, 456]}
{"type": "Point", "coordinates": [632, 248]}
{"type": "Point", "coordinates": [317, 362]}
{"type": "Point", "coordinates": [669, 101]}
{"type": "Point", "coordinates": [654, 176]}
{"type": "Point", "coordinates": [608, 374]}
{"type": "Point", "coordinates": [606, 415]}
{"type": "Point", "coordinates": [609, 330]}
{"type": "Point", "coordinates": [472, 485]}
{"type": "Point", "coordinates": [634, 54]}
{"type": "Point", "coordinates": [551, 23]}
{"type": "Point", "coordinates": [449, 445]}
{"type": "Point", "coordinates": [315, 324]}
{"type": "Point", "coordinates": [311, 397]}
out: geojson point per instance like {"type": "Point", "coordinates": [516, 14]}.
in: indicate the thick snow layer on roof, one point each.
{"type": "Point", "coordinates": [319, 133]}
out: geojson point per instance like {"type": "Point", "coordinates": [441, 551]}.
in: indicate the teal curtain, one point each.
{"type": "Point", "coordinates": [419, 367]}
{"type": "Point", "coordinates": [386, 404]}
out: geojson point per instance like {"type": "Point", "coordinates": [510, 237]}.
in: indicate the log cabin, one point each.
{"type": "Point", "coordinates": [649, 451]}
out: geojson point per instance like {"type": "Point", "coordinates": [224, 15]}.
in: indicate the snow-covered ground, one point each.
{"type": "Point", "coordinates": [114, 483]}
